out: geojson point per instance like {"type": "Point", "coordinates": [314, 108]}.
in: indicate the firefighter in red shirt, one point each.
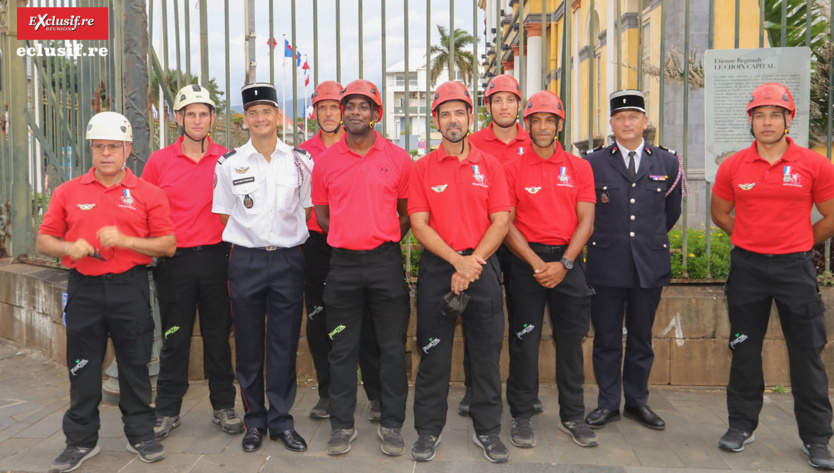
{"type": "Point", "coordinates": [106, 226]}
{"type": "Point", "coordinates": [459, 210]}
{"type": "Point", "coordinates": [762, 197]}
{"type": "Point", "coordinates": [317, 252]}
{"type": "Point", "coordinates": [552, 194]}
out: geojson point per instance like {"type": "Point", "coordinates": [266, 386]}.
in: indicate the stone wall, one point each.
{"type": "Point", "coordinates": [691, 333]}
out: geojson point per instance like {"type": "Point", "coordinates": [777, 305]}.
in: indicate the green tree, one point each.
{"type": "Point", "coordinates": [822, 51]}
{"type": "Point", "coordinates": [463, 59]}
{"type": "Point", "coordinates": [185, 79]}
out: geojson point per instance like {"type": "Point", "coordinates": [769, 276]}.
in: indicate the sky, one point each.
{"type": "Point", "coordinates": [372, 14]}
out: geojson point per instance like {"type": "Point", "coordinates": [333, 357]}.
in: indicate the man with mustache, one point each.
{"type": "Point", "coordinates": [459, 211]}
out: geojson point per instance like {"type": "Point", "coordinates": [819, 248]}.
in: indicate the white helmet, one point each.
{"type": "Point", "coordinates": [109, 126]}
{"type": "Point", "coordinates": [193, 94]}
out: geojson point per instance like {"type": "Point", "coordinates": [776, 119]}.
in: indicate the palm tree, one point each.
{"type": "Point", "coordinates": [463, 59]}
{"type": "Point", "coordinates": [185, 79]}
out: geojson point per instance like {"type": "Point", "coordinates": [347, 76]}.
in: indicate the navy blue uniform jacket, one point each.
{"type": "Point", "coordinates": [630, 243]}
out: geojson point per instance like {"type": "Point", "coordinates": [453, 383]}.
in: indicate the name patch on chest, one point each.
{"type": "Point", "coordinates": [245, 180]}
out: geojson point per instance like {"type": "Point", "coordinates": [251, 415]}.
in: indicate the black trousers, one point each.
{"type": "Point", "coordinates": [639, 306]}
{"type": "Point", "coordinates": [569, 308]}
{"type": "Point", "coordinates": [118, 305]}
{"type": "Point", "coordinates": [505, 263]}
{"type": "Point", "coordinates": [754, 282]}
{"type": "Point", "coordinates": [317, 262]}
{"type": "Point", "coordinates": [194, 277]}
{"type": "Point", "coordinates": [372, 280]}
{"type": "Point", "coordinates": [483, 329]}
{"type": "Point", "coordinates": [266, 284]}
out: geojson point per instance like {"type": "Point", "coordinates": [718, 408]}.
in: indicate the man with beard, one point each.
{"type": "Point", "coordinates": [503, 139]}
{"type": "Point", "coordinates": [459, 211]}
{"type": "Point", "coordinates": [360, 190]}
{"type": "Point", "coordinates": [197, 274]}
{"type": "Point", "coordinates": [317, 252]}
{"type": "Point", "coordinates": [763, 197]}
{"type": "Point", "coordinates": [263, 197]}
{"type": "Point", "coordinates": [552, 194]}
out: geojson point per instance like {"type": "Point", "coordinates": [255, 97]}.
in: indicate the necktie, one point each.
{"type": "Point", "coordinates": [632, 170]}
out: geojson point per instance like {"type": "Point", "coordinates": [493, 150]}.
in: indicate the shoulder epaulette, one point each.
{"type": "Point", "coordinates": [303, 152]}
{"type": "Point", "coordinates": [667, 149]}
{"type": "Point", "coordinates": [589, 151]}
{"type": "Point", "coordinates": [223, 158]}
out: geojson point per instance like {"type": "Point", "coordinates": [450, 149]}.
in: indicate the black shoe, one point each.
{"type": "Point", "coordinates": [463, 407]}
{"type": "Point", "coordinates": [423, 448]}
{"type": "Point", "coordinates": [321, 410]}
{"type": "Point", "coordinates": [818, 455]}
{"type": "Point", "coordinates": [253, 438]}
{"type": "Point", "coordinates": [292, 440]}
{"type": "Point", "coordinates": [149, 451]}
{"type": "Point", "coordinates": [646, 416]}
{"type": "Point", "coordinates": [599, 417]}
{"type": "Point", "coordinates": [375, 412]}
{"type": "Point", "coordinates": [538, 407]}
{"type": "Point", "coordinates": [494, 449]}
{"type": "Point", "coordinates": [735, 439]}
{"type": "Point", "coordinates": [72, 457]}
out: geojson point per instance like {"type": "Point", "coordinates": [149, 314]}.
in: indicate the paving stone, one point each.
{"type": "Point", "coordinates": [226, 463]}
{"type": "Point", "coordinates": [172, 463]}
{"type": "Point", "coordinates": [695, 452]}
{"type": "Point", "coordinates": [659, 457]}
{"type": "Point", "coordinates": [43, 428]}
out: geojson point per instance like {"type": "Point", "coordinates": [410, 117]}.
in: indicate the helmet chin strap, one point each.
{"type": "Point", "coordinates": [334, 131]}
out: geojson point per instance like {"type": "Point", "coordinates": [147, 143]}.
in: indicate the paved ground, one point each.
{"type": "Point", "coordinates": [34, 393]}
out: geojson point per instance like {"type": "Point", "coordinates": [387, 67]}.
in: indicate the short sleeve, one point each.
{"type": "Point", "coordinates": [586, 191]}
{"type": "Point", "coordinates": [55, 220]}
{"type": "Point", "coordinates": [318, 190]}
{"type": "Point", "coordinates": [403, 186]}
{"type": "Point", "coordinates": [499, 195]}
{"type": "Point", "coordinates": [159, 215]}
{"type": "Point", "coordinates": [511, 175]}
{"type": "Point", "coordinates": [723, 186]}
{"type": "Point", "coordinates": [150, 173]}
{"type": "Point", "coordinates": [224, 201]}
{"type": "Point", "coordinates": [824, 182]}
{"type": "Point", "coordinates": [417, 199]}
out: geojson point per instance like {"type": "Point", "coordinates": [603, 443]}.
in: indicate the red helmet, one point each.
{"type": "Point", "coordinates": [327, 90]}
{"type": "Point", "coordinates": [503, 83]}
{"type": "Point", "coordinates": [544, 102]}
{"type": "Point", "coordinates": [772, 94]}
{"type": "Point", "coordinates": [449, 91]}
{"type": "Point", "coordinates": [364, 88]}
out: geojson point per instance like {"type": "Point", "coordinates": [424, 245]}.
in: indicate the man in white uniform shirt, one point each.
{"type": "Point", "coordinates": [262, 193]}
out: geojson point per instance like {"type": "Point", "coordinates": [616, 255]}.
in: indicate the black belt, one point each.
{"type": "Point", "coordinates": [797, 255]}
{"type": "Point", "coordinates": [199, 248]}
{"type": "Point", "coordinates": [128, 275]}
{"type": "Point", "coordinates": [548, 249]}
{"type": "Point", "coordinates": [382, 247]}
{"type": "Point", "coordinates": [466, 252]}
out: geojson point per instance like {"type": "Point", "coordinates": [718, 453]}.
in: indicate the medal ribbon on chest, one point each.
{"type": "Point", "coordinates": [786, 174]}
{"type": "Point", "coordinates": [477, 174]}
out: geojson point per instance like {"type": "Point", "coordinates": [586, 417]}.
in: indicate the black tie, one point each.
{"type": "Point", "coordinates": [632, 171]}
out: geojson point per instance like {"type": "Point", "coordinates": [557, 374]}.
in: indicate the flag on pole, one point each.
{"type": "Point", "coordinates": [288, 52]}
{"type": "Point", "coordinates": [306, 69]}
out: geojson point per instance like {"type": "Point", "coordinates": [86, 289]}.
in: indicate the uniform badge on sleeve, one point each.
{"type": "Point", "coordinates": [247, 202]}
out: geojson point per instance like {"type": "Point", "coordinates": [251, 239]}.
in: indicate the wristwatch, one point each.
{"type": "Point", "coordinates": [568, 264]}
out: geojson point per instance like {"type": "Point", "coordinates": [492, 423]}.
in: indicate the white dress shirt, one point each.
{"type": "Point", "coordinates": [638, 154]}
{"type": "Point", "coordinates": [265, 201]}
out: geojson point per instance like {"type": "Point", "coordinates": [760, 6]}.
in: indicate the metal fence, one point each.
{"type": "Point", "coordinates": [49, 99]}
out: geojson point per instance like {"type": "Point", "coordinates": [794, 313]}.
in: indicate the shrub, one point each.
{"type": "Point", "coordinates": [719, 260]}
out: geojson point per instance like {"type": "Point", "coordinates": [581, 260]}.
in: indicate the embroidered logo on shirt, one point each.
{"type": "Point", "coordinates": [564, 178]}
{"type": "Point", "coordinates": [747, 187]}
{"type": "Point", "coordinates": [247, 202]}
{"type": "Point", "coordinates": [532, 190]}
{"type": "Point", "coordinates": [440, 188]}
{"type": "Point", "coordinates": [127, 200]}
{"type": "Point", "coordinates": [86, 206]}
{"type": "Point", "coordinates": [793, 180]}
{"type": "Point", "coordinates": [242, 170]}
{"type": "Point", "coordinates": [480, 179]}
{"type": "Point", "coordinates": [383, 170]}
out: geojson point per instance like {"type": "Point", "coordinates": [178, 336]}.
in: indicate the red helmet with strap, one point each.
{"type": "Point", "coordinates": [449, 91]}
{"type": "Point", "coordinates": [544, 102]}
{"type": "Point", "coordinates": [327, 90]}
{"type": "Point", "coordinates": [503, 83]}
{"type": "Point", "coordinates": [772, 94]}
{"type": "Point", "coordinates": [364, 88]}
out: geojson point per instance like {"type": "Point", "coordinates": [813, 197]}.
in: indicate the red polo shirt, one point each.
{"type": "Point", "coordinates": [362, 193]}
{"type": "Point", "coordinates": [82, 206]}
{"type": "Point", "coordinates": [772, 216]}
{"type": "Point", "coordinates": [188, 186]}
{"type": "Point", "coordinates": [486, 141]}
{"type": "Point", "coordinates": [545, 192]}
{"type": "Point", "coordinates": [315, 147]}
{"type": "Point", "coordinates": [459, 195]}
